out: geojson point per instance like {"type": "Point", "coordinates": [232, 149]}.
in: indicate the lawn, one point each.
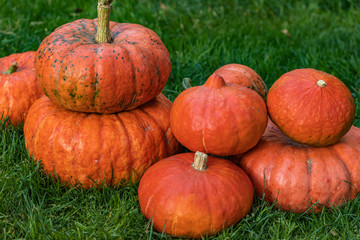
{"type": "Point", "coordinates": [272, 37]}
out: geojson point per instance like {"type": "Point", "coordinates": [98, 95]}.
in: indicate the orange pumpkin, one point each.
{"type": "Point", "coordinates": [194, 195]}
{"type": "Point", "coordinates": [128, 69]}
{"type": "Point", "coordinates": [311, 107]}
{"type": "Point", "coordinates": [218, 118]}
{"type": "Point", "coordinates": [243, 75]}
{"type": "Point", "coordinates": [296, 176]}
{"type": "Point", "coordinates": [87, 149]}
{"type": "Point", "coordinates": [18, 86]}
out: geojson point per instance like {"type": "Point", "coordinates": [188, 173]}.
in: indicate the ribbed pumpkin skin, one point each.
{"type": "Point", "coordinates": [218, 118]}
{"type": "Point", "coordinates": [194, 203]}
{"type": "Point", "coordinates": [308, 113]}
{"type": "Point", "coordinates": [83, 148]}
{"type": "Point", "coordinates": [243, 75]}
{"type": "Point", "coordinates": [297, 175]}
{"type": "Point", "coordinates": [79, 74]}
{"type": "Point", "coordinates": [20, 89]}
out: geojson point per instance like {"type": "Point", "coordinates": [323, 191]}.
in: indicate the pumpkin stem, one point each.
{"type": "Point", "coordinates": [215, 81]}
{"type": "Point", "coordinates": [103, 34]}
{"type": "Point", "coordinates": [200, 160]}
{"type": "Point", "coordinates": [13, 67]}
{"type": "Point", "coordinates": [321, 83]}
{"type": "Point", "coordinates": [186, 83]}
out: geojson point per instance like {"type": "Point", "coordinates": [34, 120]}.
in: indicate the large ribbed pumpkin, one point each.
{"type": "Point", "coordinates": [194, 195]}
{"type": "Point", "coordinates": [243, 75]}
{"type": "Point", "coordinates": [311, 107]}
{"type": "Point", "coordinates": [218, 118]}
{"type": "Point", "coordinates": [297, 176]}
{"type": "Point", "coordinates": [77, 72]}
{"type": "Point", "coordinates": [19, 88]}
{"type": "Point", "coordinates": [83, 148]}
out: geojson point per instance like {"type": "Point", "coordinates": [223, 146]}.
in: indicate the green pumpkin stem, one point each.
{"type": "Point", "coordinates": [200, 161]}
{"type": "Point", "coordinates": [13, 67]}
{"type": "Point", "coordinates": [103, 34]}
{"type": "Point", "coordinates": [186, 83]}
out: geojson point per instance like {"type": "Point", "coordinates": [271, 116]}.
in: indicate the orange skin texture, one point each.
{"type": "Point", "coordinates": [20, 89]}
{"type": "Point", "coordinates": [76, 72]}
{"type": "Point", "coordinates": [84, 148]}
{"type": "Point", "coordinates": [243, 75]}
{"type": "Point", "coordinates": [194, 203]}
{"type": "Point", "coordinates": [297, 175]}
{"type": "Point", "coordinates": [308, 113]}
{"type": "Point", "coordinates": [218, 118]}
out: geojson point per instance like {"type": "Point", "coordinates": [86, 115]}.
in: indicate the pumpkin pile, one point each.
{"type": "Point", "coordinates": [306, 156]}
{"type": "Point", "coordinates": [309, 156]}
{"type": "Point", "coordinates": [193, 194]}
{"type": "Point", "coordinates": [103, 119]}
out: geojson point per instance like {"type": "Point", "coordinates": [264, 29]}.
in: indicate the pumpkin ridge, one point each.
{"type": "Point", "coordinates": [95, 83]}
{"type": "Point", "coordinates": [343, 161]}
{"type": "Point", "coordinates": [328, 94]}
{"type": "Point", "coordinates": [56, 134]}
{"type": "Point", "coordinates": [134, 80]}
{"type": "Point", "coordinates": [158, 72]}
{"type": "Point", "coordinates": [208, 188]}
{"type": "Point", "coordinates": [53, 134]}
{"type": "Point", "coordinates": [346, 196]}
{"type": "Point", "coordinates": [207, 113]}
{"type": "Point", "coordinates": [309, 165]}
{"type": "Point", "coordinates": [155, 172]}
{"type": "Point", "coordinates": [102, 168]}
{"type": "Point", "coordinates": [239, 175]}
{"type": "Point", "coordinates": [76, 128]}
{"type": "Point", "coordinates": [157, 123]}
{"type": "Point", "coordinates": [36, 131]}
{"type": "Point", "coordinates": [245, 101]}
{"type": "Point", "coordinates": [58, 79]}
{"type": "Point", "coordinates": [128, 141]}
{"type": "Point", "coordinates": [215, 176]}
{"type": "Point", "coordinates": [234, 114]}
{"type": "Point", "coordinates": [153, 121]}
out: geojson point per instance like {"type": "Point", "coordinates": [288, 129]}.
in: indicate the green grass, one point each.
{"type": "Point", "coordinates": [201, 35]}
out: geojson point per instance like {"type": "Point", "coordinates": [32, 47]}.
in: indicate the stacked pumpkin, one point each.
{"type": "Point", "coordinates": [193, 194]}
{"type": "Point", "coordinates": [309, 156]}
{"type": "Point", "coordinates": [103, 119]}
{"type": "Point", "coordinates": [309, 160]}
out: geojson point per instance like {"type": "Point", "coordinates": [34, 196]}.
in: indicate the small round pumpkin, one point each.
{"type": "Point", "coordinates": [218, 118]}
{"type": "Point", "coordinates": [18, 86]}
{"type": "Point", "coordinates": [297, 176]}
{"type": "Point", "coordinates": [86, 149]}
{"type": "Point", "coordinates": [81, 73]}
{"type": "Point", "coordinates": [243, 75]}
{"type": "Point", "coordinates": [194, 195]}
{"type": "Point", "coordinates": [311, 107]}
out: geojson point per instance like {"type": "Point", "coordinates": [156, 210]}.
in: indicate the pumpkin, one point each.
{"type": "Point", "coordinates": [218, 118]}
{"type": "Point", "coordinates": [299, 177]}
{"type": "Point", "coordinates": [194, 195]}
{"type": "Point", "coordinates": [311, 107]}
{"type": "Point", "coordinates": [243, 75]}
{"type": "Point", "coordinates": [127, 67]}
{"type": "Point", "coordinates": [89, 149]}
{"type": "Point", "coordinates": [18, 86]}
